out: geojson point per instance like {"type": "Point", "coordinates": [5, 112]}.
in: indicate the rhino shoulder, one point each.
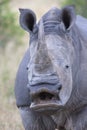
{"type": "Point", "coordinates": [21, 93]}
{"type": "Point", "coordinates": [81, 23]}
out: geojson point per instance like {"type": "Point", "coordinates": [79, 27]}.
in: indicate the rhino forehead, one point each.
{"type": "Point", "coordinates": [55, 42]}
{"type": "Point", "coordinates": [58, 47]}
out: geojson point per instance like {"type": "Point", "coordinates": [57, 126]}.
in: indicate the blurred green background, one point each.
{"type": "Point", "coordinates": [13, 44]}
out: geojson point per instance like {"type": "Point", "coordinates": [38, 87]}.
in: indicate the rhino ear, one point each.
{"type": "Point", "coordinates": [27, 19]}
{"type": "Point", "coordinates": [68, 16]}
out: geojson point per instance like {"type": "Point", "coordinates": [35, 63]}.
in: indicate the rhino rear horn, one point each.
{"type": "Point", "coordinates": [27, 19]}
{"type": "Point", "coordinates": [68, 16]}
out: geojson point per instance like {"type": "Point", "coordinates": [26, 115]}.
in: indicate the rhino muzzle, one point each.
{"type": "Point", "coordinates": [44, 98]}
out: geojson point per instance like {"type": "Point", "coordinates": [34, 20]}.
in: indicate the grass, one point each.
{"type": "Point", "coordinates": [9, 116]}
{"type": "Point", "coordinates": [9, 61]}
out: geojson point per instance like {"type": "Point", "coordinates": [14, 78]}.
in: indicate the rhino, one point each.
{"type": "Point", "coordinates": [51, 82]}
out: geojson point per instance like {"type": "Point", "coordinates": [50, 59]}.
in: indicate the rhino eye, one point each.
{"type": "Point", "coordinates": [67, 66]}
{"type": "Point", "coordinates": [27, 68]}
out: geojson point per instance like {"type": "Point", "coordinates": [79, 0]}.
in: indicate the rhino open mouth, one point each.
{"type": "Point", "coordinates": [45, 100]}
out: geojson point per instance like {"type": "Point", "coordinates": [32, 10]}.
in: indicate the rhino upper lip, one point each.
{"type": "Point", "coordinates": [45, 94]}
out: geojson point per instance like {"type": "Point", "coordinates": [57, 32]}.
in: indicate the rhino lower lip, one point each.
{"type": "Point", "coordinates": [40, 105]}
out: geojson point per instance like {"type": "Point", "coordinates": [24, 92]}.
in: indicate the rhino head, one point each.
{"type": "Point", "coordinates": [50, 67]}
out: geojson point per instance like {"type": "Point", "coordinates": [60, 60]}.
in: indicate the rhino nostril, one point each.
{"type": "Point", "coordinates": [60, 87]}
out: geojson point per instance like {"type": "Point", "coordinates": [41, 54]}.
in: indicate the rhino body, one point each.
{"type": "Point", "coordinates": [51, 82]}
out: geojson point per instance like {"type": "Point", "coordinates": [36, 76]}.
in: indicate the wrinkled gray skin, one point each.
{"type": "Point", "coordinates": [51, 83]}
